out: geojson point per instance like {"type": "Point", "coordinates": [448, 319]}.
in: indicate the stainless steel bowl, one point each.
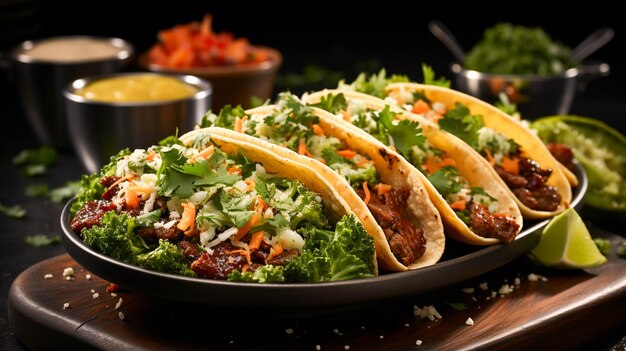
{"type": "Point", "coordinates": [535, 96]}
{"type": "Point", "coordinates": [98, 130]}
{"type": "Point", "coordinates": [40, 84]}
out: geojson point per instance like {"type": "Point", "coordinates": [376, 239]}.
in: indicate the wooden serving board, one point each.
{"type": "Point", "coordinates": [568, 310]}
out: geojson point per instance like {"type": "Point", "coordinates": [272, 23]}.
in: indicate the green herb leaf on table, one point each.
{"type": "Point", "coordinates": [37, 190]}
{"type": "Point", "coordinates": [60, 194]}
{"type": "Point", "coordinates": [41, 240]}
{"type": "Point", "coordinates": [45, 155]}
{"type": "Point", "coordinates": [459, 306]}
{"type": "Point", "coordinates": [15, 211]}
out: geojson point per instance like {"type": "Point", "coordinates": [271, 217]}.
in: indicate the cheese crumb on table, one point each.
{"type": "Point", "coordinates": [469, 321]}
{"type": "Point", "coordinates": [318, 347]}
{"type": "Point", "coordinates": [95, 296]}
{"type": "Point", "coordinates": [88, 276]}
{"type": "Point", "coordinates": [483, 286]}
{"type": "Point", "coordinates": [118, 304]}
{"type": "Point", "coordinates": [468, 290]}
{"type": "Point", "coordinates": [68, 272]}
{"type": "Point", "coordinates": [121, 315]}
{"type": "Point", "coordinates": [418, 342]}
{"type": "Point", "coordinates": [505, 289]}
{"type": "Point", "coordinates": [48, 276]}
{"type": "Point", "coordinates": [289, 331]}
{"type": "Point", "coordinates": [426, 312]}
{"type": "Point", "coordinates": [66, 305]}
{"type": "Point", "coordinates": [347, 347]}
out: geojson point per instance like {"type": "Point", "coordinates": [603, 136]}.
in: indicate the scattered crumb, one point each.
{"type": "Point", "coordinates": [517, 281]}
{"type": "Point", "coordinates": [362, 327]}
{"type": "Point", "coordinates": [494, 294]}
{"type": "Point", "coordinates": [118, 304]}
{"type": "Point", "coordinates": [469, 321]}
{"type": "Point", "coordinates": [418, 342]}
{"type": "Point", "coordinates": [289, 331]}
{"type": "Point", "coordinates": [96, 296]}
{"type": "Point", "coordinates": [536, 277]}
{"type": "Point", "coordinates": [483, 286]}
{"type": "Point", "coordinates": [426, 312]}
{"type": "Point", "coordinates": [505, 289]}
{"type": "Point", "coordinates": [544, 279]}
{"type": "Point", "coordinates": [318, 347]}
{"type": "Point", "coordinates": [93, 291]}
{"type": "Point", "coordinates": [488, 298]}
{"type": "Point", "coordinates": [113, 295]}
{"type": "Point", "coordinates": [382, 337]}
{"type": "Point", "coordinates": [48, 276]}
{"type": "Point", "coordinates": [473, 298]}
{"type": "Point", "coordinates": [68, 278]}
{"type": "Point", "coordinates": [88, 276]}
{"type": "Point", "coordinates": [120, 314]}
{"type": "Point", "coordinates": [66, 305]}
{"type": "Point", "coordinates": [231, 342]}
{"type": "Point", "coordinates": [468, 290]}
{"type": "Point", "coordinates": [68, 272]}
{"type": "Point", "coordinates": [347, 347]}
{"type": "Point", "coordinates": [335, 331]}
{"type": "Point", "coordinates": [406, 324]}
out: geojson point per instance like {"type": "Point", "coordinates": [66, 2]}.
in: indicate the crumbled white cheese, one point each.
{"type": "Point", "coordinates": [289, 331]}
{"type": "Point", "coordinates": [95, 296]}
{"type": "Point", "coordinates": [469, 321]}
{"type": "Point", "coordinates": [68, 272]}
{"type": "Point", "coordinates": [536, 277]}
{"type": "Point", "coordinates": [406, 324]}
{"type": "Point", "coordinates": [382, 337]}
{"type": "Point", "coordinates": [336, 331]}
{"type": "Point", "coordinates": [120, 314]}
{"type": "Point", "coordinates": [483, 286]}
{"type": "Point", "coordinates": [468, 290]}
{"type": "Point", "coordinates": [474, 298]}
{"type": "Point", "coordinates": [113, 295]}
{"type": "Point", "coordinates": [318, 347]}
{"type": "Point", "coordinates": [68, 278]}
{"type": "Point", "coordinates": [93, 291]}
{"type": "Point", "coordinates": [347, 347]}
{"type": "Point", "coordinates": [505, 289]}
{"type": "Point", "coordinates": [66, 305]}
{"type": "Point", "coordinates": [88, 276]}
{"type": "Point", "coordinates": [118, 304]}
{"type": "Point", "coordinates": [418, 342]}
{"type": "Point", "coordinates": [493, 294]}
{"type": "Point", "coordinates": [517, 281]}
{"type": "Point", "coordinates": [48, 276]}
{"type": "Point", "coordinates": [426, 312]}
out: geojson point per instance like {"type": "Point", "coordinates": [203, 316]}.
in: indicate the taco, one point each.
{"type": "Point", "coordinates": [220, 208]}
{"type": "Point", "coordinates": [474, 207]}
{"type": "Point", "coordinates": [385, 192]}
{"type": "Point", "coordinates": [400, 91]}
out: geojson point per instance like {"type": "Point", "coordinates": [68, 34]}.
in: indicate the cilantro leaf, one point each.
{"type": "Point", "coordinates": [480, 195]}
{"type": "Point", "coordinates": [15, 211]}
{"type": "Point", "coordinates": [148, 219]}
{"type": "Point", "coordinates": [403, 135]}
{"type": "Point", "coordinates": [171, 140]}
{"type": "Point", "coordinates": [225, 119]}
{"type": "Point", "coordinates": [41, 240]}
{"type": "Point", "coordinates": [35, 190]}
{"type": "Point", "coordinates": [459, 306]}
{"type": "Point", "coordinates": [219, 176]}
{"type": "Point", "coordinates": [331, 157]}
{"type": "Point", "coordinates": [461, 123]}
{"type": "Point", "coordinates": [45, 155]}
{"type": "Point", "coordinates": [35, 170]}
{"type": "Point", "coordinates": [446, 181]}
{"type": "Point", "coordinates": [429, 77]}
{"type": "Point", "coordinates": [464, 216]}
{"type": "Point", "coordinates": [174, 181]}
{"type": "Point", "coordinates": [332, 103]}
{"type": "Point", "coordinates": [376, 83]}
{"type": "Point", "coordinates": [70, 189]}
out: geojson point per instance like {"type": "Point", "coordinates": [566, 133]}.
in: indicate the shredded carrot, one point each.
{"type": "Point", "coordinates": [238, 125]}
{"type": "Point", "coordinates": [275, 251]}
{"type": "Point", "coordinates": [119, 181]}
{"type": "Point", "coordinates": [243, 253]}
{"type": "Point", "coordinates": [241, 232]}
{"type": "Point", "coordinates": [318, 130]}
{"type": "Point", "coordinates": [188, 220]}
{"type": "Point", "coordinates": [204, 154]}
{"type": "Point", "coordinates": [492, 162]}
{"type": "Point", "coordinates": [431, 165]}
{"type": "Point", "coordinates": [261, 205]}
{"type": "Point", "coordinates": [251, 184]}
{"type": "Point", "coordinates": [245, 267]}
{"type": "Point", "coordinates": [302, 148]}
{"type": "Point", "coordinates": [346, 116]}
{"type": "Point", "coordinates": [362, 162]}
{"type": "Point", "coordinates": [205, 27]}
{"type": "Point", "coordinates": [150, 156]}
{"type": "Point", "coordinates": [458, 205]}
{"type": "Point", "coordinates": [420, 107]}
{"type": "Point", "coordinates": [131, 197]}
{"type": "Point", "coordinates": [349, 154]}
{"type": "Point", "coordinates": [234, 169]}
{"type": "Point", "coordinates": [436, 117]}
{"type": "Point", "coordinates": [256, 240]}
{"type": "Point", "coordinates": [367, 193]}
{"type": "Point", "coordinates": [382, 188]}
{"type": "Point", "coordinates": [510, 164]}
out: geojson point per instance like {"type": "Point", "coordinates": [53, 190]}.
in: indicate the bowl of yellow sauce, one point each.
{"type": "Point", "coordinates": [131, 110]}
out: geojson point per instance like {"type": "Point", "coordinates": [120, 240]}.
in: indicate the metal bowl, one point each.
{"type": "Point", "coordinates": [40, 84]}
{"type": "Point", "coordinates": [535, 95]}
{"type": "Point", "coordinates": [98, 130]}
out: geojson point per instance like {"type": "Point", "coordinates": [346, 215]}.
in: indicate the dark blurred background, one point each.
{"type": "Point", "coordinates": [342, 41]}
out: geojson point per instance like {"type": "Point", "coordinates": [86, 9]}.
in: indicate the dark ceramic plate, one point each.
{"type": "Point", "coordinates": [460, 262]}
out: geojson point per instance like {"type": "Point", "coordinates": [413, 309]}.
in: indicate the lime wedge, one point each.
{"type": "Point", "coordinates": [566, 243]}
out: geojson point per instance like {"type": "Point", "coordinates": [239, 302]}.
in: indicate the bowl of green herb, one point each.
{"type": "Point", "coordinates": [538, 74]}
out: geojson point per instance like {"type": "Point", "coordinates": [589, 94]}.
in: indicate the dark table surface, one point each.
{"type": "Point", "coordinates": [43, 215]}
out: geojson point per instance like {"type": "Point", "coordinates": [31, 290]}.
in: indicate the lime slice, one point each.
{"type": "Point", "coordinates": [566, 243]}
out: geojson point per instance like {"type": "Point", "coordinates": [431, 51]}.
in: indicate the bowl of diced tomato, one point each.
{"type": "Point", "coordinates": [238, 70]}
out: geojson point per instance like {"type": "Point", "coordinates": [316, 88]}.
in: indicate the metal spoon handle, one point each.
{"type": "Point", "coordinates": [448, 39]}
{"type": "Point", "coordinates": [592, 43]}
